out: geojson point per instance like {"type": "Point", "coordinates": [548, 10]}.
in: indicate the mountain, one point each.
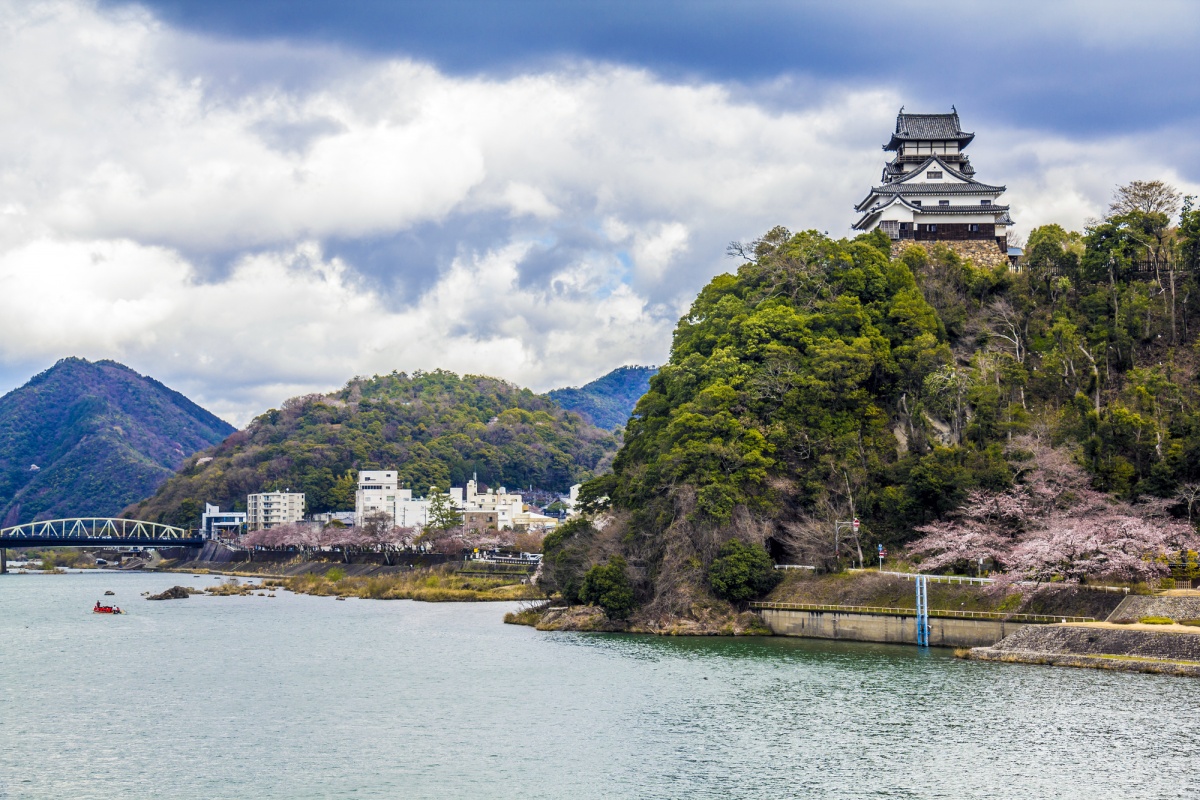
{"type": "Point", "coordinates": [88, 438]}
{"type": "Point", "coordinates": [607, 402]}
{"type": "Point", "coordinates": [435, 428]}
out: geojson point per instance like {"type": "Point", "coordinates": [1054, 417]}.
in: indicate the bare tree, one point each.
{"type": "Point", "coordinates": [1148, 197]}
{"type": "Point", "coordinates": [1189, 493]}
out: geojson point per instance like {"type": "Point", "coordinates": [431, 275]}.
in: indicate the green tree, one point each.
{"type": "Point", "coordinates": [607, 585]}
{"type": "Point", "coordinates": [743, 572]}
{"type": "Point", "coordinates": [443, 516]}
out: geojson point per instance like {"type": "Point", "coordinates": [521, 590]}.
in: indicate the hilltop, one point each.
{"type": "Point", "coordinates": [608, 401]}
{"type": "Point", "coordinates": [1044, 420]}
{"type": "Point", "coordinates": [436, 428]}
{"type": "Point", "coordinates": [88, 438]}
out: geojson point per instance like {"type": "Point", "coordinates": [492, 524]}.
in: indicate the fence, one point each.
{"type": "Point", "coordinates": [953, 613]}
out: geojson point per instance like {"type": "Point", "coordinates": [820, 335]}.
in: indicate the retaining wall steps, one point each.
{"type": "Point", "coordinates": [1097, 647]}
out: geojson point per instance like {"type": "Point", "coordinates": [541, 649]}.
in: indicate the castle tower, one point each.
{"type": "Point", "coordinates": [929, 193]}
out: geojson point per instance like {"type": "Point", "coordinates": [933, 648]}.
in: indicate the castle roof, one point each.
{"type": "Point", "coordinates": [926, 127]}
{"type": "Point", "coordinates": [908, 185]}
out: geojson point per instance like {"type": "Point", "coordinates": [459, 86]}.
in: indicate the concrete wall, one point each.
{"type": "Point", "coordinates": [890, 628]}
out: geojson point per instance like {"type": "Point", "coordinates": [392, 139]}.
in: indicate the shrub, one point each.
{"type": "Point", "coordinates": [607, 585]}
{"type": "Point", "coordinates": [335, 574]}
{"type": "Point", "coordinates": [743, 571]}
{"type": "Point", "coordinates": [1156, 621]}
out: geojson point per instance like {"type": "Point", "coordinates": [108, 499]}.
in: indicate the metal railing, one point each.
{"type": "Point", "coordinates": [795, 566]}
{"type": "Point", "coordinates": [912, 576]}
{"type": "Point", "coordinates": [912, 612]}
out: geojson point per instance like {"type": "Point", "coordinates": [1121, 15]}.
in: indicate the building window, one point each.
{"type": "Point", "coordinates": [932, 228]}
{"type": "Point", "coordinates": [934, 175]}
{"type": "Point", "coordinates": [943, 202]}
{"type": "Point", "coordinates": [916, 202]}
{"type": "Point", "coordinates": [985, 202]}
{"type": "Point", "coordinates": [973, 228]}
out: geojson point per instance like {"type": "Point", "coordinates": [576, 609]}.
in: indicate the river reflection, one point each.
{"type": "Point", "coordinates": [304, 697]}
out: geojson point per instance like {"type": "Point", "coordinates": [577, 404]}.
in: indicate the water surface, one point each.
{"type": "Point", "coordinates": [308, 697]}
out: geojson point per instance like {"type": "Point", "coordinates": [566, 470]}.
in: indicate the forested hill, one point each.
{"type": "Point", "coordinates": [87, 439]}
{"type": "Point", "coordinates": [608, 401]}
{"type": "Point", "coordinates": [826, 380]}
{"type": "Point", "coordinates": [436, 428]}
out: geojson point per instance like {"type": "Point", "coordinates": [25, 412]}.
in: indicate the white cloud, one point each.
{"type": "Point", "coordinates": [131, 161]}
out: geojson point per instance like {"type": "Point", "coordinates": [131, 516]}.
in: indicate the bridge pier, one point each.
{"type": "Point", "coordinates": [3, 560]}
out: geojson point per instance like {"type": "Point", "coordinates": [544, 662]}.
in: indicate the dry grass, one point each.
{"type": "Point", "coordinates": [427, 585]}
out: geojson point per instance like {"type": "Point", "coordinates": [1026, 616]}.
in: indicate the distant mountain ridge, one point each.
{"type": "Point", "coordinates": [88, 438]}
{"type": "Point", "coordinates": [608, 401]}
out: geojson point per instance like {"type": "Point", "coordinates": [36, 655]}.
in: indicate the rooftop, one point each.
{"type": "Point", "coordinates": [923, 127]}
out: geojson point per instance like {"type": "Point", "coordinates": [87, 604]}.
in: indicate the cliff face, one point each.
{"type": "Point", "coordinates": [87, 439]}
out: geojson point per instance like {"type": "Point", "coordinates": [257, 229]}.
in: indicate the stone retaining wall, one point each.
{"type": "Point", "coordinates": [1099, 648]}
{"type": "Point", "coordinates": [982, 253]}
{"type": "Point", "coordinates": [1135, 607]}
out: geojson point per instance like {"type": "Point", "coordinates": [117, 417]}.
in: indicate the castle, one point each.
{"type": "Point", "coordinates": [929, 193]}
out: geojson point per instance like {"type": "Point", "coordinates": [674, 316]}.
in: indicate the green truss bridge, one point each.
{"type": "Point", "coordinates": [96, 532]}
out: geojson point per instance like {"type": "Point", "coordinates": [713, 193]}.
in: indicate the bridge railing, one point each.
{"type": "Point", "coordinates": [96, 528]}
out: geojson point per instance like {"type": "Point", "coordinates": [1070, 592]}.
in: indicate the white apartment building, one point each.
{"type": "Point", "coordinates": [378, 490]}
{"type": "Point", "coordinates": [268, 509]}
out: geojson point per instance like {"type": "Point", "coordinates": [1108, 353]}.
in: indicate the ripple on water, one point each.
{"type": "Point", "coordinates": [304, 697]}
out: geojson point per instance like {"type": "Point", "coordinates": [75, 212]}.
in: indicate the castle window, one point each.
{"type": "Point", "coordinates": [916, 202]}
{"type": "Point", "coordinates": [943, 202]}
{"type": "Point", "coordinates": [973, 228]}
{"type": "Point", "coordinates": [934, 175]}
{"type": "Point", "coordinates": [985, 202]}
{"type": "Point", "coordinates": [932, 229]}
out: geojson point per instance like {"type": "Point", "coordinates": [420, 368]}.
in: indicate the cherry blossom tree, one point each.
{"type": "Point", "coordinates": [1053, 526]}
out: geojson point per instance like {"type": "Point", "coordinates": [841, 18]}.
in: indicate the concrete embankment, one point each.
{"type": "Point", "coordinates": [1100, 646]}
{"type": "Point", "coordinates": [893, 627]}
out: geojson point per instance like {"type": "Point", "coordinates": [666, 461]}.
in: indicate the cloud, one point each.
{"type": "Point", "coordinates": [250, 233]}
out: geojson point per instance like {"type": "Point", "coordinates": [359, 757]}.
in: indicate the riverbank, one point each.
{"type": "Point", "coordinates": [716, 621]}
{"type": "Point", "coordinates": [1156, 634]}
{"type": "Point", "coordinates": [445, 583]}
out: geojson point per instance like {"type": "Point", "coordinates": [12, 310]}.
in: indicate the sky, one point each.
{"type": "Point", "coordinates": [251, 201]}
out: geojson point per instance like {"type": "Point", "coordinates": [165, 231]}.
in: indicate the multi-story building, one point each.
{"type": "Point", "coordinates": [929, 193]}
{"type": "Point", "coordinates": [268, 509]}
{"type": "Point", "coordinates": [215, 522]}
{"type": "Point", "coordinates": [378, 491]}
{"type": "Point", "coordinates": [499, 502]}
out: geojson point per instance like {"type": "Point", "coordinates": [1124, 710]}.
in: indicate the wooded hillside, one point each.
{"type": "Point", "coordinates": [826, 380]}
{"type": "Point", "coordinates": [435, 428]}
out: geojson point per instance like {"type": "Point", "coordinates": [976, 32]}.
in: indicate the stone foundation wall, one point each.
{"type": "Point", "coordinates": [981, 252]}
{"type": "Point", "coordinates": [889, 628]}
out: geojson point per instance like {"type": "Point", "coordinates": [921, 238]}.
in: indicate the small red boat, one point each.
{"type": "Point", "coordinates": [99, 609]}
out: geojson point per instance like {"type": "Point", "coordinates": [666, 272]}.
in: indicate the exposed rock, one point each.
{"type": "Point", "coordinates": [109, 593]}
{"type": "Point", "coordinates": [174, 593]}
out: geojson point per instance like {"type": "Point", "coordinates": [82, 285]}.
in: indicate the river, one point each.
{"type": "Point", "coordinates": [309, 697]}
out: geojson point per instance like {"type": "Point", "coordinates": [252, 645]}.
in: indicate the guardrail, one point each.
{"type": "Point", "coordinates": [912, 576]}
{"type": "Point", "coordinates": [950, 613]}
{"type": "Point", "coordinates": [795, 566]}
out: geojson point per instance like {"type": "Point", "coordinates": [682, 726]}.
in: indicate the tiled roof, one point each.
{"type": "Point", "coordinates": [941, 127]}
{"type": "Point", "coordinates": [974, 187]}
{"type": "Point", "coordinates": [962, 209]}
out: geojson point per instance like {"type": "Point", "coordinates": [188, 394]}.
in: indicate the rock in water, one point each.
{"type": "Point", "coordinates": [174, 593]}
{"type": "Point", "coordinates": [109, 593]}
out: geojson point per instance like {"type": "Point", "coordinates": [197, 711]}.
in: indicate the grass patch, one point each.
{"type": "Point", "coordinates": [1193, 623]}
{"type": "Point", "coordinates": [1156, 621]}
{"type": "Point", "coordinates": [434, 586]}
